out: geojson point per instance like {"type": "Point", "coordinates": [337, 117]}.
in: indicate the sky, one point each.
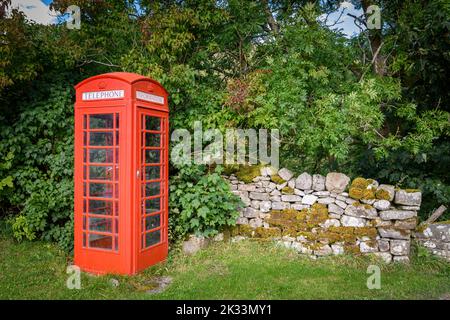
{"type": "Point", "coordinates": [38, 11]}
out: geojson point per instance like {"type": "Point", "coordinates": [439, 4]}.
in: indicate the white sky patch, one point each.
{"type": "Point", "coordinates": [340, 20]}
{"type": "Point", "coordinates": [35, 10]}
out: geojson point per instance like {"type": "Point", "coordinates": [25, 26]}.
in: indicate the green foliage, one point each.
{"type": "Point", "coordinates": [4, 166]}
{"type": "Point", "coordinates": [200, 203]}
{"type": "Point", "coordinates": [258, 64]}
{"type": "Point", "coordinates": [42, 168]}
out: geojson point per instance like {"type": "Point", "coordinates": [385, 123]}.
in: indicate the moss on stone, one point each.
{"type": "Point", "coordinates": [261, 232]}
{"type": "Point", "coordinates": [290, 231]}
{"type": "Point", "coordinates": [246, 230]}
{"type": "Point", "coordinates": [234, 231]}
{"type": "Point", "coordinates": [352, 249]}
{"type": "Point", "coordinates": [422, 227]}
{"type": "Point", "coordinates": [359, 189]}
{"type": "Point", "coordinates": [342, 230]}
{"type": "Point", "coordinates": [230, 169]}
{"type": "Point", "coordinates": [317, 214]}
{"type": "Point", "coordinates": [287, 190]}
{"type": "Point", "coordinates": [368, 194]}
{"type": "Point", "coordinates": [356, 193]}
{"type": "Point", "coordinates": [370, 232]}
{"type": "Point", "coordinates": [302, 215]}
{"type": "Point", "coordinates": [330, 237]}
{"type": "Point", "coordinates": [247, 173]}
{"type": "Point", "coordinates": [360, 183]}
{"type": "Point", "coordinates": [308, 235]}
{"type": "Point", "coordinates": [277, 179]}
{"type": "Point", "coordinates": [411, 190]}
{"type": "Point", "coordinates": [382, 194]}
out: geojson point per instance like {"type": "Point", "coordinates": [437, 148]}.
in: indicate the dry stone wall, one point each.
{"type": "Point", "coordinates": [318, 215]}
{"type": "Point", "coordinates": [436, 238]}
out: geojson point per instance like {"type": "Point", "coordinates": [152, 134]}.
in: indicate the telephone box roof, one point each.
{"type": "Point", "coordinates": [127, 77]}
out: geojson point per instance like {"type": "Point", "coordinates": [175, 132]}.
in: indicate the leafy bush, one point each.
{"type": "Point", "coordinates": [200, 202]}
{"type": "Point", "coordinates": [42, 168]}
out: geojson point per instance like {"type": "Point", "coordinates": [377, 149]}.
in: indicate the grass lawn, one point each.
{"type": "Point", "coordinates": [244, 270]}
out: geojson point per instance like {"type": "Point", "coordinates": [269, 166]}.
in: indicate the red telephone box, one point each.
{"type": "Point", "coordinates": [121, 173]}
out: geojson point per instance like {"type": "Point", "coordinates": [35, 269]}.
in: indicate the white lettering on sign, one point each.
{"type": "Point", "coordinates": [101, 95]}
{"type": "Point", "coordinates": [149, 97]}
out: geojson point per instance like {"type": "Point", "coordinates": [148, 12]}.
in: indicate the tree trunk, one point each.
{"type": "Point", "coordinates": [273, 24]}
{"type": "Point", "coordinates": [375, 39]}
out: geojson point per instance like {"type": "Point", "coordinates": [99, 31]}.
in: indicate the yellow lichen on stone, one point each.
{"type": "Point", "coordinates": [412, 190]}
{"type": "Point", "coordinates": [382, 194]}
{"type": "Point", "coordinates": [277, 179]}
{"type": "Point", "coordinates": [287, 190]}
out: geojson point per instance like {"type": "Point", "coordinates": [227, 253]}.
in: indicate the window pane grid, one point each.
{"type": "Point", "coordinates": [100, 180]}
{"type": "Point", "coordinates": [152, 185]}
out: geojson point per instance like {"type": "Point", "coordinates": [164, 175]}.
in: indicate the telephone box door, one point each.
{"type": "Point", "coordinates": [152, 180]}
{"type": "Point", "coordinates": [99, 219]}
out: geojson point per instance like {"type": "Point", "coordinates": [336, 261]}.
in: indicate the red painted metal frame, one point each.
{"type": "Point", "coordinates": [130, 257]}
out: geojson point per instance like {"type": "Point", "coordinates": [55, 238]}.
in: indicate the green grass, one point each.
{"type": "Point", "coordinates": [245, 270]}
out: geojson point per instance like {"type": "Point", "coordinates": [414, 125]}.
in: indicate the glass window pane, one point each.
{"type": "Point", "coordinates": [152, 189]}
{"type": "Point", "coordinates": [100, 224]}
{"type": "Point", "coordinates": [152, 156]}
{"type": "Point", "coordinates": [100, 173]}
{"type": "Point", "coordinates": [101, 190]}
{"type": "Point", "coordinates": [152, 238]}
{"type": "Point", "coordinates": [152, 205]}
{"type": "Point", "coordinates": [102, 207]}
{"type": "Point", "coordinates": [117, 121]}
{"type": "Point", "coordinates": [152, 222]}
{"type": "Point", "coordinates": [100, 138]}
{"type": "Point", "coordinates": [100, 241]}
{"type": "Point", "coordinates": [84, 138]}
{"type": "Point", "coordinates": [152, 173]}
{"type": "Point", "coordinates": [101, 155]}
{"type": "Point", "coordinates": [117, 209]}
{"type": "Point", "coordinates": [152, 123]}
{"type": "Point", "coordinates": [152, 139]}
{"type": "Point", "coordinates": [101, 121]}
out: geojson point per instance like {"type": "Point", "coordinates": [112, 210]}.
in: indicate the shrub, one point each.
{"type": "Point", "coordinates": [41, 140]}
{"type": "Point", "coordinates": [200, 202]}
